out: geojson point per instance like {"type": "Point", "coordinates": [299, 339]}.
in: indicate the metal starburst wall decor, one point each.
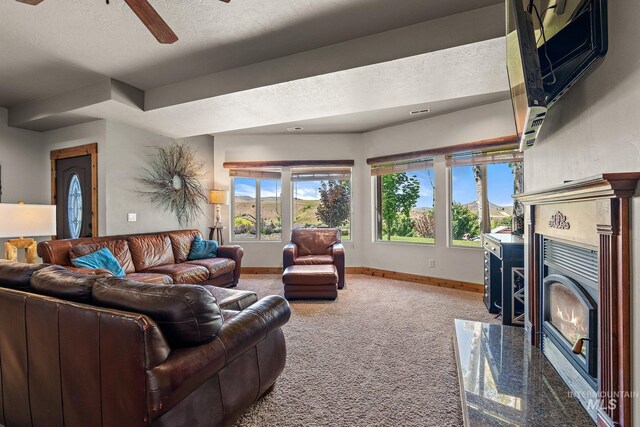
{"type": "Point", "coordinates": [173, 183]}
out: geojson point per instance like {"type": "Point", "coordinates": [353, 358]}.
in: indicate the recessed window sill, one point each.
{"type": "Point", "coordinates": [398, 242]}
{"type": "Point", "coordinates": [465, 247]}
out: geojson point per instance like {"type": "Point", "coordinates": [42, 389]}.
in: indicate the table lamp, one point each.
{"type": "Point", "coordinates": [218, 197]}
{"type": "Point", "coordinates": [19, 220]}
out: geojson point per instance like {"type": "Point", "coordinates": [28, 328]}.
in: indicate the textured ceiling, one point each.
{"type": "Point", "coordinates": [61, 45]}
{"type": "Point", "coordinates": [371, 120]}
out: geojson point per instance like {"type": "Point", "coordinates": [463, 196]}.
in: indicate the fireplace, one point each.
{"type": "Point", "coordinates": [568, 314]}
{"type": "Point", "coordinates": [578, 305]}
{"type": "Point", "coordinates": [569, 289]}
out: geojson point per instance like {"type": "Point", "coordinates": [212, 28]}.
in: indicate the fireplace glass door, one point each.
{"type": "Point", "coordinates": [570, 321]}
{"type": "Point", "coordinates": [568, 314]}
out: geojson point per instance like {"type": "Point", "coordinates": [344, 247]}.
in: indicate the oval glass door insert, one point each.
{"type": "Point", "coordinates": [74, 207]}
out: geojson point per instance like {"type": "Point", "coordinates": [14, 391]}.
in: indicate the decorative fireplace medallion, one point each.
{"type": "Point", "coordinates": [578, 288]}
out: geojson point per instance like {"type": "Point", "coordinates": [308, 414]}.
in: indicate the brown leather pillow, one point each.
{"type": "Point", "coordinates": [181, 243]}
{"type": "Point", "coordinates": [57, 281]}
{"type": "Point", "coordinates": [17, 275]}
{"type": "Point", "coordinates": [186, 314]}
{"type": "Point", "coordinates": [150, 251]}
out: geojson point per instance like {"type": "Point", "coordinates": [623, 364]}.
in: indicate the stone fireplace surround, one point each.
{"type": "Point", "coordinates": [589, 213]}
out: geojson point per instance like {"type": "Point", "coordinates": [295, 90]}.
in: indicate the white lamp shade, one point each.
{"type": "Point", "coordinates": [218, 197]}
{"type": "Point", "coordinates": [18, 220]}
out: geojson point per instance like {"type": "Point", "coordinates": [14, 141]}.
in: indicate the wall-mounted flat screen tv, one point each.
{"type": "Point", "coordinates": [551, 44]}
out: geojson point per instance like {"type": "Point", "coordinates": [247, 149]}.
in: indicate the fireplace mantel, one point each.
{"type": "Point", "coordinates": [603, 186]}
{"type": "Point", "coordinates": [593, 212]}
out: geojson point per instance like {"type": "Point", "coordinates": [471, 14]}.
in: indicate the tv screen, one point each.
{"type": "Point", "coordinates": [550, 45]}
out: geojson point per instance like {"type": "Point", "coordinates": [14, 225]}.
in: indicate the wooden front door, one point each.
{"type": "Point", "coordinates": [74, 191]}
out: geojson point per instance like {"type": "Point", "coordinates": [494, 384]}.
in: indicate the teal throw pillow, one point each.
{"type": "Point", "coordinates": [102, 258]}
{"type": "Point", "coordinates": [201, 249]}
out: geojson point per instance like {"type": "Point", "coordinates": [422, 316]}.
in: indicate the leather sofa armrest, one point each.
{"type": "Point", "coordinates": [188, 368]}
{"type": "Point", "coordinates": [252, 325]}
{"type": "Point", "coordinates": [235, 253]}
{"type": "Point", "coordinates": [93, 271]}
{"type": "Point", "coordinates": [289, 255]}
{"type": "Point", "coordinates": [339, 262]}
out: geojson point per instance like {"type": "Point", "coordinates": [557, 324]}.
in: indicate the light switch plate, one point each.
{"type": "Point", "coordinates": [132, 217]}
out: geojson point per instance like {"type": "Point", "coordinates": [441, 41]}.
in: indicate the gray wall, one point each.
{"type": "Point", "coordinates": [123, 152]}
{"type": "Point", "coordinates": [22, 172]}
{"type": "Point", "coordinates": [595, 128]}
{"type": "Point", "coordinates": [128, 151]}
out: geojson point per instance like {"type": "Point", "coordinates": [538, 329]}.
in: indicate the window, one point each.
{"type": "Point", "coordinates": [405, 202]}
{"type": "Point", "coordinates": [256, 194]}
{"type": "Point", "coordinates": [322, 198]}
{"type": "Point", "coordinates": [481, 195]}
{"type": "Point", "coordinates": [270, 210]}
{"type": "Point", "coordinates": [74, 207]}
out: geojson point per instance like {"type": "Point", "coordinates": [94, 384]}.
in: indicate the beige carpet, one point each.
{"type": "Point", "coordinates": [380, 355]}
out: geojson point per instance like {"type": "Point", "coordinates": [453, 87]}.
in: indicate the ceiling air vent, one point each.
{"type": "Point", "coordinates": [423, 111]}
{"type": "Point", "coordinates": [295, 129]}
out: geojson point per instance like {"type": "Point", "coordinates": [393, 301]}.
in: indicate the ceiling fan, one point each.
{"type": "Point", "coordinates": [147, 14]}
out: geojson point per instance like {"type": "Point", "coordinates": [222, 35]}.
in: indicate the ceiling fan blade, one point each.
{"type": "Point", "coordinates": [34, 2]}
{"type": "Point", "coordinates": [153, 21]}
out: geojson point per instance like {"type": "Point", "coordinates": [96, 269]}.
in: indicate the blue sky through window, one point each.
{"type": "Point", "coordinates": [244, 187]}
{"type": "Point", "coordinates": [270, 188]}
{"type": "Point", "coordinates": [307, 190]}
{"type": "Point", "coordinates": [426, 189]}
{"type": "Point", "coordinates": [500, 184]}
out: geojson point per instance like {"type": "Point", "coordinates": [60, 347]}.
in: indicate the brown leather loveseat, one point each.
{"type": "Point", "coordinates": [315, 246]}
{"type": "Point", "coordinates": [159, 258]}
{"type": "Point", "coordinates": [87, 350]}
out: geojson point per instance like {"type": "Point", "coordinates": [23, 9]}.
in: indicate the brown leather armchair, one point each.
{"type": "Point", "coordinates": [315, 246]}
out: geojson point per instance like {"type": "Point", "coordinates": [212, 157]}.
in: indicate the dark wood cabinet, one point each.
{"type": "Point", "coordinates": [504, 282]}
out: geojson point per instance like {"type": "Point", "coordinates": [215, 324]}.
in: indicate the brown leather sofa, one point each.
{"type": "Point", "coordinates": [315, 246]}
{"type": "Point", "coordinates": [159, 258]}
{"type": "Point", "coordinates": [64, 362]}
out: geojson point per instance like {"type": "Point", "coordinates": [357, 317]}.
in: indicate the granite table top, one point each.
{"type": "Point", "coordinates": [504, 381]}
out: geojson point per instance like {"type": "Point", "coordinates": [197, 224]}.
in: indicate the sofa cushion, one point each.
{"type": "Point", "coordinates": [216, 266]}
{"type": "Point", "coordinates": [232, 299]}
{"type": "Point", "coordinates": [94, 271]}
{"type": "Point", "coordinates": [181, 243]}
{"type": "Point", "coordinates": [100, 259]}
{"type": "Point", "coordinates": [315, 241]}
{"type": "Point", "coordinates": [314, 260]}
{"type": "Point", "coordinates": [182, 273]}
{"type": "Point", "coordinates": [310, 275]}
{"type": "Point", "coordinates": [17, 275]}
{"type": "Point", "coordinates": [57, 281]}
{"type": "Point", "coordinates": [156, 279]}
{"type": "Point", "coordinates": [119, 249]}
{"type": "Point", "coordinates": [186, 314]}
{"type": "Point", "coordinates": [226, 280]}
{"type": "Point", "coordinates": [150, 251]}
